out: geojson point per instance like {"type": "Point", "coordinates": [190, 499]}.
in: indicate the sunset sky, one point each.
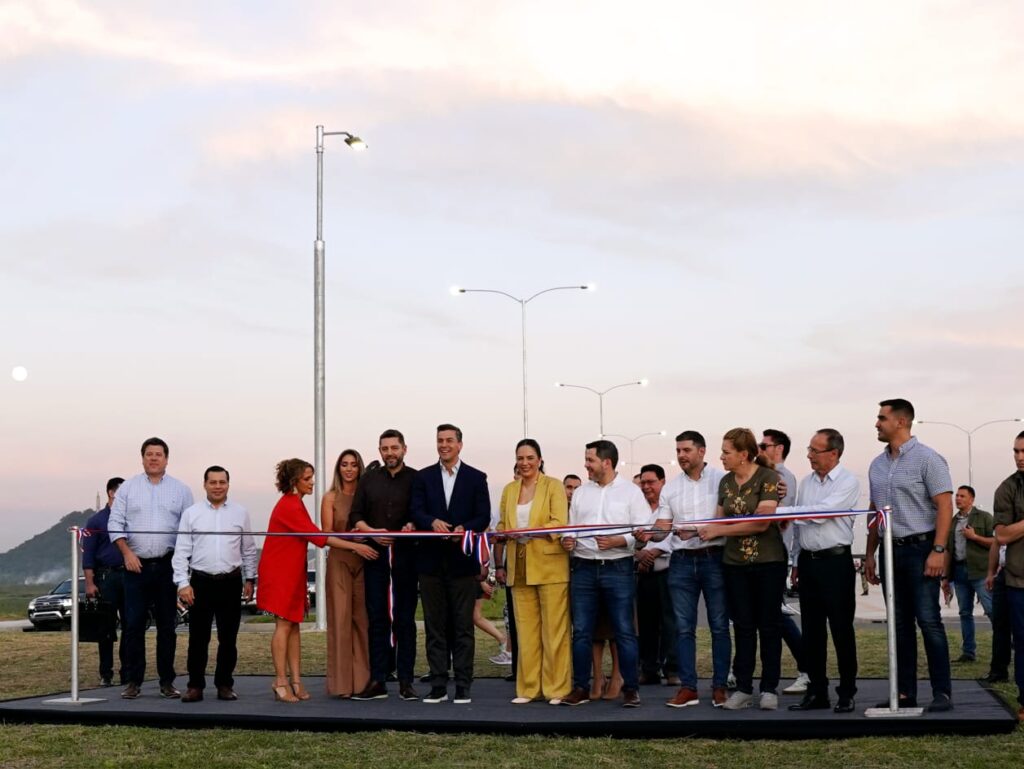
{"type": "Point", "coordinates": [791, 210]}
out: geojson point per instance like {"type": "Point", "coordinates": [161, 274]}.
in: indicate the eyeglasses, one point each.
{"type": "Point", "coordinates": [812, 450]}
{"type": "Point", "coordinates": [765, 446]}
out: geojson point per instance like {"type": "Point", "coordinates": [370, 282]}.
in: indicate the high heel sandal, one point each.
{"type": "Point", "coordinates": [300, 691]}
{"type": "Point", "coordinates": [282, 693]}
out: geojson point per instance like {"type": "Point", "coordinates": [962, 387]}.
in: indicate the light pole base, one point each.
{"type": "Point", "coordinates": [70, 701]}
{"type": "Point", "coordinates": [887, 713]}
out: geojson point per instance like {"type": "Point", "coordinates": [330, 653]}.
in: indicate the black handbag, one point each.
{"type": "Point", "coordinates": [97, 621]}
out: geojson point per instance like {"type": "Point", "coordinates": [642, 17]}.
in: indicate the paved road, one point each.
{"type": "Point", "coordinates": [14, 624]}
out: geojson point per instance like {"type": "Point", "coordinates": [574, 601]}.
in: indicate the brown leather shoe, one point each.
{"type": "Point", "coordinates": [169, 692]}
{"type": "Point", "coordinates": [719, 695]}
{"type": "Point", "coordinates": [630, 698]}
{"type": "Point", "coordinates": [192, 695]}
{"type": "Point", "coordinates": [131, 692]}
{"type": "Point", "coordinates": [374, 690]}
{"type": "Point", "coordinates": [577, 696]}
{"type": "Point", "coordinates": [684, 698]}
{"type": "Point", "coordinates": [226, 693]}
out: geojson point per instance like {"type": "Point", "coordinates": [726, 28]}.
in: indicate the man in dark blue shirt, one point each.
{"type": "Point", "coordinates": [103, 566]}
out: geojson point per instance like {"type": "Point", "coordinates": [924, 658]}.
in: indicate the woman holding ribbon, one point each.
{"type": "Point", "coordinates": [348, 656]}
{"type": "Point", "coordinates": [538, 572]}
{"type": "Point", "coordinates": [754, 565]}
{"type": "Point", "coordinates": [282, 574]}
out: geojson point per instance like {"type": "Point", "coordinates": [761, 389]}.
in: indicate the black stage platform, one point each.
{"type": "Point", "coordinates": [977, 711]}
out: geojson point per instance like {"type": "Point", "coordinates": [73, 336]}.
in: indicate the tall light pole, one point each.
{"type": "Point", "coordinates": [632, 441]}
{"type": "Point", "coordinates": [969, 434]}
{"type": "Point", "coordinates": [319, 381]}
{"type": "Point", "coordinates": [457, 291]}
{"type": "Point", "coordinates": [600, 396]}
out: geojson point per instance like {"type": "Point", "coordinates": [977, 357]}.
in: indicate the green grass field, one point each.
{"type": "Point", "coordinates": [14, 599]}
{"type": "Point", "coordinates": [37, 663]}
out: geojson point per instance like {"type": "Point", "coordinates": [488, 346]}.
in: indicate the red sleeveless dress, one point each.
{"type": "Point", "coordinates": [281, 588]}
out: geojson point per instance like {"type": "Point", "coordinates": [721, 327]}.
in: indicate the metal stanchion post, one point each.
{"type": "Point", "coordinates": [75, 568]}
{"type": "Point", "coordinates": [894, 710]}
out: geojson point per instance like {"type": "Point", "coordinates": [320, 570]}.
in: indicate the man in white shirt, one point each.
{"type": "Point", "coordinates": [695, 569]}
{"type": "Point", "coordinates": [209, 570]}
{"type": "Point", "coordinates": [602, 568]}
{"type": "Point", "coordinates": [655, 621]}
{"type": "Point", "coordinates": [826, 573]}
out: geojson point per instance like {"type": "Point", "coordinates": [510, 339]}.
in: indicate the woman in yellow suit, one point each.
{"type": "Point", "coordinates": [537, 570]}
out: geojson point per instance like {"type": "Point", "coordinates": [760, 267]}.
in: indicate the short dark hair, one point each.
{"type": "Point", "coordinates": [605, 450]}
{"type": "Point", "coordinates": [288, 471]}
{"type": "Point", "coordinates": [900, 406]}
{"type": "Point", "coordinates": [392, 433]}
{"type": "Point", "coordinates": [658, 470]}
{"type": "Point", "coordinates": [215, 469]}
{"type": "Point", "coordinates": [1020, 436]}
{"type": "Point", "coordinates": [113, 484]}
{"type": "Point", "coordinates": [453, 428]}
{"type": "Point", "coordinates": [155, 442]}
{"type": "Point", "coordinates": [968, 489]}
{"type": "Point", "coordinates": [572, 475]}
{"type": "Point", "coordinates": [781, 439]}
{"type": "Point", "coordinates": [834, 439]}
{"type": "Point", "coordinates": [692, 435]}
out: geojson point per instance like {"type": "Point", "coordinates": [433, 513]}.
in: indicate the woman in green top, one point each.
{"type": "Point", "coordinates": [754, 564]}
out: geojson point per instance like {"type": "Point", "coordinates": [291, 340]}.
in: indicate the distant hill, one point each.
{"type": "Point", "coordinates": [45, 558]}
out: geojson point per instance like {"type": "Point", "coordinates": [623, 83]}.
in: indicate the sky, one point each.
{"type": "Point", "coordinates": [791, 211]}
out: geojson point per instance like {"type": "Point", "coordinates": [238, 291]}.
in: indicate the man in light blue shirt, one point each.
{"type": "Point", "coordinates": [144, 526]}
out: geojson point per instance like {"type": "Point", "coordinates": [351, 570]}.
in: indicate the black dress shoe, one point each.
{"type": "Point", "coordinates": [510, 677]}
{"type": "Point", "coordinates": [406, 692]}
{"type": "Point", "coordinates": [995, 678]}
{"type": "Point", "coordinates": [845, 705]}
{"type": "Point", "coordinates": [106, 681]}
{"type": "Point", "coordinates": [942, 703]}
{"type": "Point", "coordinates": [462, 696]}
{"type": "Point", "coordinates": [812, 702]}
{"type": "Point", "coordinates": [437, 694]}
{"type": "Point", "coordinates": [374, 690]}
{"type": "Point", "coordinates": [391, 678]}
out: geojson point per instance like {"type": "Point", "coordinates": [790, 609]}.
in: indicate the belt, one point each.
{"type": "Point", "coordinates": [913, 539]}
{"type": "Point", "coordinates": [234, 573]}
{"type": "Point", "coordinates": [827, 552]}
{"type": "Point", "coordinates": [701, 552]}
{"type": "Point", "coordinates": [164, 557]}
{"type": "Point", "coordinates": [600, 561]}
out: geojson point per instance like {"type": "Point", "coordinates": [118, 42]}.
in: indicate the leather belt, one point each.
{"type": "Point", "coordinates": [165, 557]}
{"type": "Point", "coordinates": [600, 561]}
{"type": "Point", "coordinates": [827, 552]}
{"type": "Point", "coordinates": [233, 574]}
{"type": "Point", "coordinates": [913, 539]}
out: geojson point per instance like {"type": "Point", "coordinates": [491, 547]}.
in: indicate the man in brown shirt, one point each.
{"type": "Point", "coordinates": [1009, 530]}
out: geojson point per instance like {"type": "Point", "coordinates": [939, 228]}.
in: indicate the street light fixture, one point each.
{"type": "Point", "coordinates": [632, 441]}
{"type": "Point", "coordinates": [319, 380]}
{"type": "Point", "coordinates": [969, 434]}
{"type": "Point", "coordinates": [600, 395]}
{"type": "Point", "coordinates": [522, 302]}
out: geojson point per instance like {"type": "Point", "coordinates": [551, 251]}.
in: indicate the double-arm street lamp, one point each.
{"type": "Point", "coordinates": [600, 396]}
{"type": "Point", "coordinates": [522, 302]}
{"type": "Point", "coordinates": [632, 441]}
{"type": "Point", "coordinates": [319, 380]}
{"type": "Point", "coordinates": [969, 434]}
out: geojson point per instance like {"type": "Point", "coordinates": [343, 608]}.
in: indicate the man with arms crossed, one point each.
{"type": "Point", "coordinates": [914, 481]}
{"type": "Point", "coordinates": [149, 502]}
{"type": "Point", "coordinates": [210, 570]}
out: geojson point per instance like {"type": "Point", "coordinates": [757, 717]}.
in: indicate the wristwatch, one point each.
{"type": "Point", "coordinates": [939, 548]}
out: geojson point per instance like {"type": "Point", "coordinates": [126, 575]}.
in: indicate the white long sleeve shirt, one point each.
{"type": "Point", "coordinates": [684, 499]}
{"type": "Point", "coordinates": [620, 503]}
{"type": "Point", "coordinates": [837, 490]}
{"type": "Point", "coordinates": [214, 553]}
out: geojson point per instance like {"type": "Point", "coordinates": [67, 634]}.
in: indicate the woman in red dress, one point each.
{"type": "Point", "coordinates": [282, 575]}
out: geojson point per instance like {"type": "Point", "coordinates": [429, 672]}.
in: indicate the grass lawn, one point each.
{"type": "Point", "coordinates": [14, 599]}
{"type": "Point", "coordinates": [37, 663]}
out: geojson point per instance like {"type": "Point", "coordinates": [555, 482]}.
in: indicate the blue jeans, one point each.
{"type": "Point", "coordinates": [153, 586]}
{"type": "Point", "coordinates": [688, 577]}
{"type": "Point", "coordinates": [917, 599]}
{"type": "Point", "coordinates": [610, 583]}
{"type": "Point", "coordinates": [1015, 603]}
{"type": "Point", "coordinates": [966, 589]}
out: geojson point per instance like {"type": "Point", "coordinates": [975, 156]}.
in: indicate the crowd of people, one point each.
{"type": "Point", "coordinates": [725, 536]}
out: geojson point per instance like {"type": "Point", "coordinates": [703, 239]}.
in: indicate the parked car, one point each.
{"type": "Point", "coordinates": [53, 610]}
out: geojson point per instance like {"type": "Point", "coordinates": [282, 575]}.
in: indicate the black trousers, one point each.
{"type": "Point", "coordinates": [111, 586]}
{"type": "Point", "coordinates": [380, 578]}
{"type": "Point", "coordinates": [656, 624]}
{"type": "Point", "coordinates": [754, 594]}
{"type": "Point", "coordinates": [220, 600]}
{"type": "Point", "coordinates": [444, 594]}
{"type": "Point", "coordinates": [1001, 633]}
{"type": "Point", "coordinates": [828, 596]}
{"type": "Point", "coordinates": [153, 586]}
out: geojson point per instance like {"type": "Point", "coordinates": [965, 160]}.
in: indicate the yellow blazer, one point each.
{"type": "Point", "coordinates": [546, 562]}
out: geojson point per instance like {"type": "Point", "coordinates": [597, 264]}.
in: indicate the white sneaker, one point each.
{"type": "Point", "coordinates": [769, 701]}
{"type": "Point", "coordinates": [738, 701]}
{"type": "Point", "coordinates": [501, 658]}
{"type": "Point", "coordinates": [799, 686]}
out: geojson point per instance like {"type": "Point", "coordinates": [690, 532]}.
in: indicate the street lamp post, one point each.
{"type": "Point", "coordinates": [319, 380]}
{"type": "Point", "coordinates": [632, 441]}
{"type": "Point", "coordinates": [600, 396]}
{"type": "Point", "coordinates": [969, 434]}
{"type": "Point", "coordinates": [457, 291]}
